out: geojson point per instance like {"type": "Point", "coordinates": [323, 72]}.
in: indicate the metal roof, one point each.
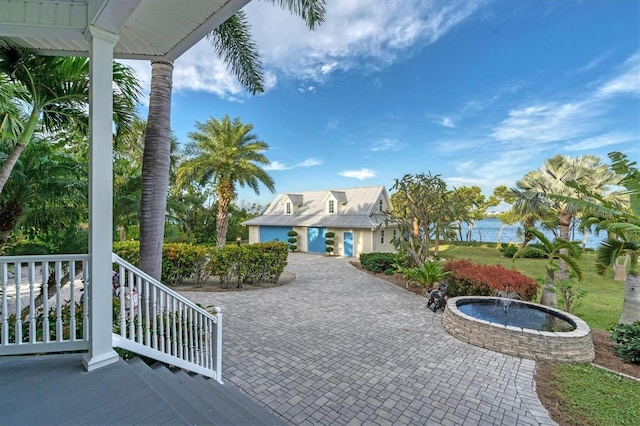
{"type": "Point", "coordinates": [147, 29]}
{"type": "Point", "coordinates": [360, 210]}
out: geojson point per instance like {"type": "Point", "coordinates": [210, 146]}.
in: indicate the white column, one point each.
{"type": "Point", "coordinates": [101, 351]}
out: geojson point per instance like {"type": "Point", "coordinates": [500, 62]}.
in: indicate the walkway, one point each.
{"type": "Point", "coordinates": [338, 346]}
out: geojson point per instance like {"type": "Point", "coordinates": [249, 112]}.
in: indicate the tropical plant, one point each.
{"type": "Point", "coordinates": [56, 89]}
{"type": "Point", "coordinates": [47, 191]}
{"type": "Point", "coordinates": [558, 249]}
{"type": "Point", "coordinates": [226, 154]}
{"type": "Point", "coordinates": [232, 43]}
{"type": "Point", "coordinates": [429, 274]}
{"type": "Point", "coordinates": [534, 191]}
{"type": "Point", "coordinates": [622, 221]}
{"type": "Point", "coordinates": [420, 211]}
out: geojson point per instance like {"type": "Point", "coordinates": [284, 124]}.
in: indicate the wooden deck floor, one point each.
{"type": "Point", "coordinates": [57, 390]}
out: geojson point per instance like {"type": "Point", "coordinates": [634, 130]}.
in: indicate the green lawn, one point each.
{"type": "Point", "coordinates": [591, 396]}
{"type": "Point", "coordinates": [600, 308]}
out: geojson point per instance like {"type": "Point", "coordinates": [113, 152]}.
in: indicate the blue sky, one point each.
{"type": "Point", "coordinates": [480, 92]}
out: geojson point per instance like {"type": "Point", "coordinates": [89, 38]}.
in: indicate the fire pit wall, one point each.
{"type": "Point", "coordinates": [573, 346]}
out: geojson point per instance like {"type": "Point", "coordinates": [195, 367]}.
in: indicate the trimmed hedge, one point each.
{"type": "Point", "coordinates": [379, 262]}
{"type": "Point", "coordinates": [179, 260]}
{"type": "Point", "coordinates": [468, 279]}
{"type": "Point", "coordinates": [253, 263]}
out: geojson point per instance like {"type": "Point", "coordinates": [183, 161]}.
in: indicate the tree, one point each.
{"type": "Point", "coordinates": [535, 189]}
{"type": "Point", "coordinates": [622, 221]}
{"type": "Point", "coordinates": [558, 249]}
{"type": "Point", "coordinates": [232, 42]}
{"type": "Point", "coordinates": [56, 89]}
{"type": "Point", "coordinates": [226, 154]}
{"type": "Point", "coordinates": [46, 192]}
{"type": "Point", "coordinates": [420, 209]}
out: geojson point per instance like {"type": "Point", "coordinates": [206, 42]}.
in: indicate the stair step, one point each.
{"type": "Point", "coordinates": [262, 415]}
{"type": "Point", "coordinates": [172, 393]}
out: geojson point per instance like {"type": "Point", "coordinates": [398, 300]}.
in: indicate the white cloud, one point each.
{"type": "Point", "coordinates": [353, 35]}
{"type": "Point", "coordinates": [385, 145]}
{"type": "Point", "coordinates": [277, 165]}
{"type": "Point", "coordinates": [578, 117]}
{"type": "Point", "coordinates": [447, 122]}
{"type": "Point", "coordinates": [601, 141]}
{"type": "Point", "coordinates": [311, 89]}
{"type": "Point", "coordinates": [626, 82]}
{"type": "Point", "coordinates": [361, 174]}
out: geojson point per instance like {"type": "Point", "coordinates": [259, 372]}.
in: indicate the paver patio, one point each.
{"type": "Point", "coordinates": [338, 346]}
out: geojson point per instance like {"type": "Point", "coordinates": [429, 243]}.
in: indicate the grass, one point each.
{"type": "Point", "coordinates": [591, 396]}
{"type": "Point", "coordinates": [600, 307]}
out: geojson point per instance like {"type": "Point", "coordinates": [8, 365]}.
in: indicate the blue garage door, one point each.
{"type": "Point", "coordinates": [315, 240]}
{"type": "Point", "coordinates": [273, 233]}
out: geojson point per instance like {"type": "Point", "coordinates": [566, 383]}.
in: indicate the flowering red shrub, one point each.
{"type": "Point", "coordinates": [467, 279]}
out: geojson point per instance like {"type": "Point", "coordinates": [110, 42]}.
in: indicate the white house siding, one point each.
{"type": "Point", "coordinates": [254, 234]}
{"type": "Point", "coordinates": [302, 237]}
{"type": "Point", "coordinates": [387, 247]}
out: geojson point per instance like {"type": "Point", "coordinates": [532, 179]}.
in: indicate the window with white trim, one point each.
{"type": "Point", "coordinates": [382, 236]}
{"type": "Point", "coordinates": [380, 204]}
{"type": "Point", "coordinates": [331, 207]}
{"type": "Point", "coordinates": [287, 208]}
{"type": "Point", "coordinates": [395, 233]}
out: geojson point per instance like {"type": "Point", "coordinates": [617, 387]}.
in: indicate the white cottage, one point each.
{"type": "Point", "coordinates": [355, 215]}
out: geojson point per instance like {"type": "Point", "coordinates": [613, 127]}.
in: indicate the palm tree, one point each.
{"type": "Point", "coordinates": [232, 42]}
{"type": "Point", "coordinates": [622, 222]}
{"type": "Point", "coordinates": [56, 89]}
{"type": "Point", "coordinates": [535, 189]}
{"type": "Point", "coordinates": [226, 154]}
{"type": "Point", "coordinates": [558, 249]}
{"type": "Point", "coordinates": [48, 189]}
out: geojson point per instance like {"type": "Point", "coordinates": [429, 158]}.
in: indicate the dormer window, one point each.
{"type": "Point", "coordinates": [331, 207]}
{"type": "Point", "coordinates": [380, 204]}
{"type": "Point", "coordinates": [287, 208]}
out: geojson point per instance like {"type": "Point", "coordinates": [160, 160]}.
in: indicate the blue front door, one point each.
{"type": "Point", "coordinates": [348, 243]}
{"type": "Point", "coordinates": [315, 240]}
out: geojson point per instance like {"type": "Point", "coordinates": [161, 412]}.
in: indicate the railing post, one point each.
{"type": "Point", "coordinates": [218, 348]}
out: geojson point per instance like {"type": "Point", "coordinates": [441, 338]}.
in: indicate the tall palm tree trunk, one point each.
{"type": "Point", "coordinates": [18, 148]}
{"type": "Point", "coordinates": [564, 222]}
{"type": "Point", "coordinates": [225, 192]}
{"type": "Point", "coordinates": [631, 306]}
{"type": "Point", "coordinates": [155, 169]}
{"type": "Point", "coordinates": [549, 297]}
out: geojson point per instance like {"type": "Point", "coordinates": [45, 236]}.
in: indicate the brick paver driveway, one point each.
{"type": "Point", "coordinates": [338, 346]}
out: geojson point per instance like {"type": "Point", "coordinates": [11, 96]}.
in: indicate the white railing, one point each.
{"type": "Point", "coordinates": [159, 323]}
{"type": "Point", "coordinates": [43, 303]}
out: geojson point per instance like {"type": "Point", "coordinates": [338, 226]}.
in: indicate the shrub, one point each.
{"type": "Point", "coordinates": [627, 339]}
{"type": "Point", "coordinates": [378, 262]}
{"type": "Point", "coordinates": [467, 279]}
{"type": "Point", "coordinates": [179, 261]}
{"type": "Point", "coordinates": [509, 250]}
{"type": "Point", "coordinates": [253, 263]}
{"type": "Point", "coordinates": [329, 242]}
{"type": "Point", "coordinates": [292, 240]}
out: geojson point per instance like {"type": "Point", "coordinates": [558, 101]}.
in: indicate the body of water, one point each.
{"type": "Point", "coordinates": [491, 230]}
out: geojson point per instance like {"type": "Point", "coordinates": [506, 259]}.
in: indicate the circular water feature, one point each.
{"type": "Point", "coordinates": [516, 313]}
{"type": "Point", "coordinates": [519, 328]}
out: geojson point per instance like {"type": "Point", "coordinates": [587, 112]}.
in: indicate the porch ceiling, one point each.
{"type": "Point", "coordinates": [147, 29]}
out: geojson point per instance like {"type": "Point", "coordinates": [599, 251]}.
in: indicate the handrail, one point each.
{"type": "Point", "coordinates": [42, 303]}
{"type": "Point", "coordinates": [157, 322]}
